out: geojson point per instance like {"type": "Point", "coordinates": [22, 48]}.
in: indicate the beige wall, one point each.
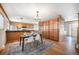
{"type": "Point", "coordinates": [3, 31]}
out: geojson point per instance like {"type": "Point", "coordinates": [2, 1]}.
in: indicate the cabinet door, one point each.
{"type": "Point", "coordinates": [54, 31]}
{"type": "Point", "coordinates": [50, 29]}
{"type": "Point", "coordinates": [40, 27]}
{"type": "Point", "coordinates": [46, 29]}
{"type": "Point", "coordinates": [43, 29]}
{"type": "Point", "coordinates": [44, 32]}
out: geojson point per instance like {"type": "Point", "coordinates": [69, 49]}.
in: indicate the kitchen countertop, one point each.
{"type": "Point", "coordinates": [18, 30]}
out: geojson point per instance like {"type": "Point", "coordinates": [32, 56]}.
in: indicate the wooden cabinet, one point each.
{"type": "Point", "coordinates": [21, 25]}
{"type": "Point", "coordinates": [78, 31]}
{"type": "Point", "coordinates": [51, 29]}
{"type": "Point", "coordinates": [78, 36]}
{"type": "Point", "coordinates": [54, 29]}
{"type": "Point", "coordinates": [46, 29]}
{"type": "Point", "coordinates": [41, 28]}
{"type": "Point", "coordinates": [13, 36]}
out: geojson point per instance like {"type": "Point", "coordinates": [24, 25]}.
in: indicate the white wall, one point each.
{"type": "Point", "coordinates": [3, 31]}
{"type": "Point", "coordinates": [2, 38]}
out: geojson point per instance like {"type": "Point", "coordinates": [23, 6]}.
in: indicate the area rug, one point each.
{"type": "Point", "coordinates": [16, 49]}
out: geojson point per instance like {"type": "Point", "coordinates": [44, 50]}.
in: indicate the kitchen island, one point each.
{"type": "Point", "coordinates": [14, 35]}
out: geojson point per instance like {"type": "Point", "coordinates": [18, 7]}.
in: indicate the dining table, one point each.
{"type": "Point", "coordinates": [25, 37]}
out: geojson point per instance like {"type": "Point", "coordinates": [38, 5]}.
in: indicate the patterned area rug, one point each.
{"type": "Point", "coordinates": [29, 49]}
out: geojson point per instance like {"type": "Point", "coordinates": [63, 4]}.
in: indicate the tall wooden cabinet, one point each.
{"type": "Point", "coordinates": [54, 29]}
{"type": "Point", "coordinates": [50, 29]}
{"type": "Point", "coordinates": [78, 33]}
{"type": "Point", "coordinates": [46, 29]}
{"type": "Point", "coordinates": [43, 28]}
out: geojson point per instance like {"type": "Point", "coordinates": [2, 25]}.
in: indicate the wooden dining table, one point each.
{"type": "Point", "coordinates": [25, 37]}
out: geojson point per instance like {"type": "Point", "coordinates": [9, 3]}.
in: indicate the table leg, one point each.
{"type": "Point", "coordinates": [20, 41]}
{"type": "Point", "coordinates": [41, 39]}
{"type": "Point", "coordinates": [23, 44]}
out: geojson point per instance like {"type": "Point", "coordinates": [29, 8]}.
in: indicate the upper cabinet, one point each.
{"type": "Point", "coordinates": [20, 26]}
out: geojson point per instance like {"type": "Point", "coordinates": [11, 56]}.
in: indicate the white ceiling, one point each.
{"type": "Point", "coordinates": [46, 10]}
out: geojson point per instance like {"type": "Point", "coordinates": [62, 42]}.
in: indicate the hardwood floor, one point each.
{"type": "Point", "coordinates": [65, 47]}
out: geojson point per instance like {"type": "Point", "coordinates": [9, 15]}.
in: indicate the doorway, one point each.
{"type": "Point", "coordinates": [68, 31]}
{"type": "Point", "coordinates": [70, 27]}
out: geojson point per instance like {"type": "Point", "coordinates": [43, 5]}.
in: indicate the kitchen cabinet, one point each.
{"type": "Point", "coordinates": [50, 29]}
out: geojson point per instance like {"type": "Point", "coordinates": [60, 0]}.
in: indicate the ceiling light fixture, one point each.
{"type": "Point", "coordinates": [21, 18]}
{"type": "Point", "coordinates": [37, 16]}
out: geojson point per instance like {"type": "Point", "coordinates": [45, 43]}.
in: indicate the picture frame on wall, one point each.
{"type": "Point", "coordinates": [1, 21]}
